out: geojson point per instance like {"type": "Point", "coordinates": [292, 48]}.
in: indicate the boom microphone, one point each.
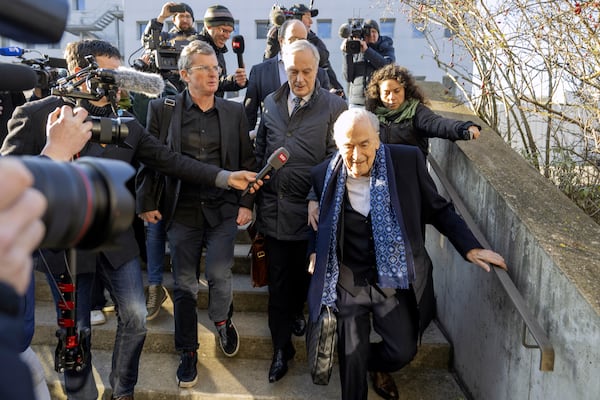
{"type": "Point", "coordinates": [15, 78]}
{"type": "Point", "coordinates": [237, 44]}
{"type": "Point", "coordinates": [152, 85]}
{"type": "Point", "coordinates": [275, 161]}
{"type": "Point", "coordinates": [12, 51]}
{"type": "Point", "coordinates": [344, 31]}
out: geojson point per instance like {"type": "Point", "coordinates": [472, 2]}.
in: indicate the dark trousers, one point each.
{"type": "Point", "coordinates": [288, 286]}
{"type": "Point", "coordinates": [394, 318]}
{"type": "Point", "coordinates": [186, 251]}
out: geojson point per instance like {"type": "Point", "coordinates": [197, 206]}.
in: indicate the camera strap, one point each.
{"type": "Point", "coordinates": [167, 113]}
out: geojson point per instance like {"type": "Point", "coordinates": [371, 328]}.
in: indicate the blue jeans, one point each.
{"type": "Point", "coordinates": [126, 288]}
{"type": "Point", "coordinates": [186, 251]}
{"type": "Point", "coordinates": [156, 239]}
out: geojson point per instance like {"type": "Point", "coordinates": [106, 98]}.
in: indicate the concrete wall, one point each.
{"type": "Point", "coordinates": [553, 252]}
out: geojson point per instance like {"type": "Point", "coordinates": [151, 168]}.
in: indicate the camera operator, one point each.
{"type": "Point", "coordinates": [218, 27]}
{"type": "Point", "coordinates": [374, 51]}
{"type": "Point", "coordinates": [119, 268]}
{"type": "Point", "coordinates": [183, 30]}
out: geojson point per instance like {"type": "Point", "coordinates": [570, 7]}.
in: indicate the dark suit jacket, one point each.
{"type": "Point", "coordinates": [236, 151]}
{"type": "Point", "coordinates": [416, 201]}
{"type": "Point", "coordinates": [27, 136]}
{"type": "Point", "coordinates": [264, 80]}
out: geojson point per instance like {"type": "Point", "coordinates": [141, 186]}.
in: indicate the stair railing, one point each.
{"type": "Point", "coordinates": [529, 321]}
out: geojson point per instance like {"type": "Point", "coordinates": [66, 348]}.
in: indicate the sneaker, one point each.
{"type": "Point", "coordinates": [157, 295]}
{"type": "Point", "coordinates": [109, 306]}
{"type": "Point", "coordinates": [228, 338]}
{"type": "Point", "coordinates": [187, 375]}
{"type": "Point", "coordinates": [97, 317]}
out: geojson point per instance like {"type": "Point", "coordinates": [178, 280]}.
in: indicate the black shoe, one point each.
{"type": "Point", "coordinates": [299, 325]}
{"type": "Point", "coordinates": [187, 375]}
{"type": "Point", "coordinates": [384, 385]}
{"type": "Point", "coordinates": [228, 338]}
{"type": "Point", "coordinates": [279, 366]}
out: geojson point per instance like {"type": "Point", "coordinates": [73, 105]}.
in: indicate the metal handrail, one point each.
{"type": "Point", "coordinates": [530, 322]}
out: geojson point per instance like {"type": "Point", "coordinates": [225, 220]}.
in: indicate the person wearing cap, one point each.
{"type": "Point", "coordinates": [218, 27]}
{"type": "Point", "coordinates": [183, 30]}
{"type": "Point", "coordinates": [375, 52]}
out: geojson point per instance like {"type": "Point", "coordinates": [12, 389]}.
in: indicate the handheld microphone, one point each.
{"type": "Point", "coordinates": [275, 161]}
{"type": "Point", "coordinates": [12, 51]}
{"type": "Point", "coordinates": [237, 43]}
{"type": "Point", "coordinates": [152, 85]}
{"type": "Point", "coordinates": [16, 78]}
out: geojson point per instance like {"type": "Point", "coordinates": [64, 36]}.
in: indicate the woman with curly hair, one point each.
{"type": "Point", "coordinates": [404, 118]}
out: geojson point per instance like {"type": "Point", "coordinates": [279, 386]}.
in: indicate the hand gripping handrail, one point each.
{"type": "Point", "coordinates": [529, 321]}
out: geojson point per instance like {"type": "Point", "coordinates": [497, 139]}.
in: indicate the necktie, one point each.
{"type": "Point", "coordinates": [297, 102]}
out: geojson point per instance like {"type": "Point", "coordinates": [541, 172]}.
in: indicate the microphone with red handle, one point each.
{"type": "Point", "coordinates": [237, 44]}
{"type": "Point", "coordinates": [275, 161]}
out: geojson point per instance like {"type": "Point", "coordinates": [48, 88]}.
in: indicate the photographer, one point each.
{"type": "Point", "coordinates": [364, 52]}
{"type": "Point", "coordinates": [119, 267]}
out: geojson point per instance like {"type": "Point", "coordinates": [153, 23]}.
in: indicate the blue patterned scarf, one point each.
{"type": "Point", "coordinates": [393, 270]}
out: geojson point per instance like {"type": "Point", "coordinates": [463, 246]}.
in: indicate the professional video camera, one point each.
{"type": "Point", "coordinates": [355, 31]}
{"type": "Point", "coordinates": [47, 69]}
{"type": "Point", "coordinates": [101, 83]}
{"type": "Point", "coordinates": [164, 55]}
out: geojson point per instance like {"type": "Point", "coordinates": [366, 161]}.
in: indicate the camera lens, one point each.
{"type": "Point", "coordinates": [88, 202]}
{"type": "Point", "coordinates": [109, 130]}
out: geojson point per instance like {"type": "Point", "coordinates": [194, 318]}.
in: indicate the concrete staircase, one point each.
{"type": "Point", "coordinates": [241, 377]}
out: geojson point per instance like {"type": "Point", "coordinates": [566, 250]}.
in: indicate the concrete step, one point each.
{"type": "Point", "coordinates": [240, 378]}
{"type": "Point", "coordinates": [255, 339]}
{"type": "Point", "coordinates": [245, 297]}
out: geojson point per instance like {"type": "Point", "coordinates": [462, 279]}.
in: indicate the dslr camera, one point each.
{"type": "Point", "coordinates": [355, 31]}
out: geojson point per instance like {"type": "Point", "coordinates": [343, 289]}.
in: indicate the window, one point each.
{"type": "Point", "coordinates": [262, 28]}
{"type": "Point", "coordinates": [236, 28]}
{"type": "Point", "coordinates": [79, 4]}
{"type": "Point", "coordinates": [386, 27]}
{"type": "Point", "coordinates": [324, 28]}
{"type": "Point", "coordinates": [141, 26]}
{"type": "Point", "coordinates": [199, 26]}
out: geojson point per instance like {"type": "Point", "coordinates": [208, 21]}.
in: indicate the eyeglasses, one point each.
{"type": "Point", "coordinates": [207, 68]}
{"type": "Point", "coordinates": [225, 31]}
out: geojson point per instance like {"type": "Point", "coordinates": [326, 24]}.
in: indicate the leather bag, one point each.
{"type": "Point", "coordinates": [259, 270]}
{"type": "Point", "coordinates": [321, 339]}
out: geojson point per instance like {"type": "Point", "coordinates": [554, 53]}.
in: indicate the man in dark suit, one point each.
{"type": "Point", "coordinates": [268, 76]}
{"type": "Point", "coordinates": [369, 259]}
{"type": "Point", "coordinates": [213, 130]}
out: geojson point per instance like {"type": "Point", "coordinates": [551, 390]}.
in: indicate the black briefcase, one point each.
{"type": "Point", "coordinates": [321, 339]}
